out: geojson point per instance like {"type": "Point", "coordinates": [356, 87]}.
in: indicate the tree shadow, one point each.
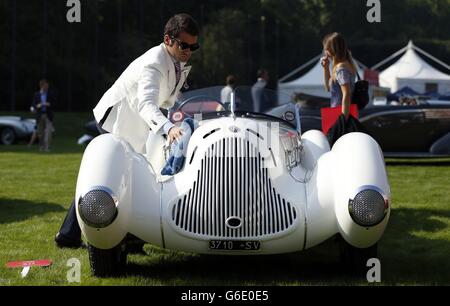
{"type": "Point", "coordinates": [13, 210]}
{"type": "Point", "coordinates": [406, 258]}
{"type": "Point", "coordinates": [429, 163]}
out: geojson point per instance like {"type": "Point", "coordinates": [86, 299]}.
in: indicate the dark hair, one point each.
{"type": "Point", "coordinates": [336, 45]}
{"type": "Point", "coordinates": [181, 23]}
{"type": "Point", "coordinates": [42, 82]}
{"type": "Point", "coordinates": [231, 80]}
{"type": "Point", "coordinates": [261, 73]}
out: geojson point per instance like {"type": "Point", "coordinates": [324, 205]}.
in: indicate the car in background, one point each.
{"type": "Point", "coordinates": [421, 130]}
{"type": "Point", "coordinates": [15, 128]}
{"type": "Point", "coordinates": [91, 132]}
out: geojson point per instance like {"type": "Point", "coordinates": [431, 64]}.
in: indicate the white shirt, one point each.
{"type": "Point", "coordinates": [225, 94]}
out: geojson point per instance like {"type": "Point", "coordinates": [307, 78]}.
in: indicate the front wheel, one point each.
{"type": "Point", "coordinates": [355, 259]}
{"type": "Point", "coordinates": [8, 136]}
{"type": "Point", "coordinates": [109, 262]}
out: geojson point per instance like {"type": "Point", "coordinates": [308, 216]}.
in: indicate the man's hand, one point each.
{"type": "Point", "coordinates": [175, 133]}
{"type": "Point", "coordinates": [39, 105]}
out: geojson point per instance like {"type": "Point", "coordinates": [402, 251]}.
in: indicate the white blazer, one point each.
{"type": "Point", "coordinates": [147, 85]}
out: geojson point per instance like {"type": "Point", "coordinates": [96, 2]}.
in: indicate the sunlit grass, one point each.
{"type": "Point", "coordinates": [37, 188]}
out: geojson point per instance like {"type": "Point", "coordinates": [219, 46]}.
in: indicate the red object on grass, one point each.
{"type": "Point", "coordinates": [331, 114]}
{"type": "Point", "coordinates": [30, 263]}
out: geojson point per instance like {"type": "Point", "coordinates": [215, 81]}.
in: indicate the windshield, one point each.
{"type": "Point", "coordinates": [218, 99]}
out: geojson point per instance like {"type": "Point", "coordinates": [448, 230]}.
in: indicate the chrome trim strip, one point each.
{"type": "Point", "coordinates": [390, 112]}
{"type": "Point", "coordinates": [297, 118]}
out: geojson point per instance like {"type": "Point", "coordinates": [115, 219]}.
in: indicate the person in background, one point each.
{"type": "Point", "coordinates": [340, 82]}
{"type": "Point", "coordinates": [43, 102]}
{"type": "Point", "coordinates": [259, 101]}
{"type": "Point", "coordinates": [225, 94]}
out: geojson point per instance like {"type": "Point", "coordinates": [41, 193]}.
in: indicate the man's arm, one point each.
{"type": "Point", "coordinates": [148, 96]}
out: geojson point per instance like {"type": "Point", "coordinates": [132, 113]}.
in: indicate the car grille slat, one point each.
{"type": "Point", "coordinates": [233, 182]}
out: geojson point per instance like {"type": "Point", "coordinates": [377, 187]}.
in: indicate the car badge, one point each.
{"type": "Point", "coordinates": [233, 222]}
{"type": "Point", "coordinates": [234, 129]}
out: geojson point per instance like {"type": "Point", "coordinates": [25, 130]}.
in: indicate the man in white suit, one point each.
{"type": "Point", "coordinates": [131, 107]}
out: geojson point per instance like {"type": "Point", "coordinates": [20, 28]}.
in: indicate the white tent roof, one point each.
{"type": "Point", "coordinates": [311, 78]}
{"type": "Point", "coordinates": [411, 67]}
{"type": "Point", "coordinates": [311, 82]}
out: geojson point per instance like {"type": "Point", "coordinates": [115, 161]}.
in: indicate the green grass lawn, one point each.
{"type": "Point", "coordinates": [37, 188]}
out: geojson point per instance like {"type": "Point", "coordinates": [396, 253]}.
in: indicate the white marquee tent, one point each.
{"type": "Point", "coordinates": [412, 71]}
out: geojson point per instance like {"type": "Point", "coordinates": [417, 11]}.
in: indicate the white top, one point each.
{"type": "Point", "coordinates": [225, 94]}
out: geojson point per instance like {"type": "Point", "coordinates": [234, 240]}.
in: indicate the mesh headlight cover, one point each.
{"type": "Point", "coordinates": [97, 208]}
{"type": "Point", "coordinates": [368, 208]}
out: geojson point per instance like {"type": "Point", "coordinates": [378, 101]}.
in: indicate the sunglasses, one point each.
{"type": "Point", "coordinates": [183, 46]}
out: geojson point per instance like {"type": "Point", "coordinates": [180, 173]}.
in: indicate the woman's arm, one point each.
{"type": "Point", "coordinates": [346, 99]}
{"type": "Point", "coordinates": [325, 62]}
{"type": "Point", "coordinates": [326, 77]}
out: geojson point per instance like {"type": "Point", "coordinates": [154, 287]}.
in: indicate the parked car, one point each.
{"type": "Point", "coordinates": [14, 129]}
{"type": "Point", "coordinates": [251, 185]}
{"type": "Point", "coordinates": [91, 130]}
{"type": "Point", "coordinates": [400, 130]}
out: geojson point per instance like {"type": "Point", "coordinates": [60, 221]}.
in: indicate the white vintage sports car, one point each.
{"type": "Point", "coordinates": [251, 184]}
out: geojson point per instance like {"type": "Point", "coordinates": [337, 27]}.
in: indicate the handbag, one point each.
{"type": "Point", "coordinates": [344, 126]}
{"type": "Point", "coordinates": [361, 93]}
{"type": "Point", "coordinates": [330, 115]}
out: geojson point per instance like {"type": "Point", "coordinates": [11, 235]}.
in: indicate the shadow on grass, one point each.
{"type": "Point", "coordinates": [406, 258]}
{"type": "Point", "coordinates": [416, 246]}
{"type": "Point", "coordinates": [12, 210]}
{"type": "Point", "coordinates": [187, 269]}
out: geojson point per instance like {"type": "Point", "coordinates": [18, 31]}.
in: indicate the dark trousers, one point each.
{"type": "Point", "coordinates": [70, 227]}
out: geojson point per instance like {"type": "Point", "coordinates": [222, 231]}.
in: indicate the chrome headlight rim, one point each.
{"type": "Point", "coordinates": [293, 148]}
{"type": "Point", "coordinates": [367, 188]}
{"type": "Point", "coordinates": [113, 197]}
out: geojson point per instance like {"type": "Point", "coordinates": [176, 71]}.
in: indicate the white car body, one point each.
{"type": "Point", "coordinates": [278, 205]}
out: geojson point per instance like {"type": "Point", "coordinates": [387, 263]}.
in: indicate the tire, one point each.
{"type": "Point", "coordinates": [106, 263]}
{"type": "Point", "coordinates": [7, 136]}
{"type": "Point", "coordinates": [354, 259]}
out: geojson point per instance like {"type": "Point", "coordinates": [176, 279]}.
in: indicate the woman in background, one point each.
{"type": "Point", "coordinates": [341, 81]}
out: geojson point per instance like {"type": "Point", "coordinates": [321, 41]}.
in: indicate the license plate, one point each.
{"type": "Point", "coordinates": [229, 245]}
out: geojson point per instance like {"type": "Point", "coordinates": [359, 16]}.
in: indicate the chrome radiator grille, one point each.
{"type": "Point", "coordinates": [232, 182]}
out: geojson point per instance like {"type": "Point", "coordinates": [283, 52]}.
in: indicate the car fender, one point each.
{"type": "Point", "coordinates": [315, 144]}
{"type": "Point", "coordinates": [106, 165]}
{"type": "Point", "coordinates": [357, 164]}
{"type": "Point", "coordinates": [441, 146]}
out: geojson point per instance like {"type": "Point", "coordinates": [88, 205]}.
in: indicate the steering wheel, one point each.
{"type": "Point", "coordinates": [208, 99]}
